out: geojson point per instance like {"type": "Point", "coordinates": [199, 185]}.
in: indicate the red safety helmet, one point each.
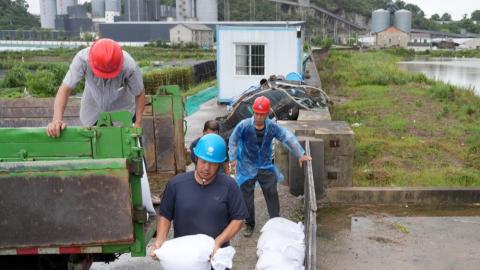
{"type": "Point", "coordinates": [261, 105]}
{"type": "Point", "coordinates": [106, 58]}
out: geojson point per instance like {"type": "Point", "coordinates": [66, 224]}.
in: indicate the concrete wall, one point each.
{"type": "Point", "coordinates": [474, 43]}
{"type": "Point", "coordinates": [283, 54]}
{"type": "Point", "coordinates": [181, 34]}
{"type": "Point", "coordinates": [203, 38]}
{"type": "Point", "coordinates": [420, 38]}
{"type": "Point", "coordinates": [136, 32]}
{"type": "Point", "coordinates": [392, 39]}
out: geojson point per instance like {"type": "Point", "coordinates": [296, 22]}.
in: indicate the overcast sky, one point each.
{"type": "Point", "coordinates": [456, 8]}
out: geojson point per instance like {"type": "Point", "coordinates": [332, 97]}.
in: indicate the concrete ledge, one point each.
{"type": "Point", "coordinates": [408, 195]}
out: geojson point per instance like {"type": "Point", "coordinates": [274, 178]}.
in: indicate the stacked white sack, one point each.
{"type": "Point", "coordinates": [281, 245]}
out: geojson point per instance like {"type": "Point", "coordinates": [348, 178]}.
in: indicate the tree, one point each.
{"type": "Point", "coordinates": [446, 17]}
{"type": "Point", "coordinates": [14, 15]}
{"type": "Point", "coordinates": [88, 6]}
{"type": "Point", "coordinates": [475, 15]}
{"type": "Point", "coordinates": [435, 17]}
{"type": "Point", "coordinates": [469, 25]}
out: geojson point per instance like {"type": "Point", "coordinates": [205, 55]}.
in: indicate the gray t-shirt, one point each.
{"type": "Point", "coordinates": [104, 95]}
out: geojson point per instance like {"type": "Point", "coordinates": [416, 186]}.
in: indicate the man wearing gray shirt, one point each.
{"type": "Point", "coordinates": [113, 82]}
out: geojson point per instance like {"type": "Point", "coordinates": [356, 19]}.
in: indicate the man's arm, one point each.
{"type": "Point", "coordinates": [163, 226]}
{"type": "Point", "coordinates": [230, 231]}
{"type": "Point", "coordinates": [232, 146]}
{"type": "Point", "coordinates": [139, 108]}
{"type": "Point", "coordinates": [290, 141]}
{"type": "Point", "coordinates": [61, 99]}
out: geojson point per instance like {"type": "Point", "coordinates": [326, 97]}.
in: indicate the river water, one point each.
{"type": "Point", "coordinates": [463, 72]}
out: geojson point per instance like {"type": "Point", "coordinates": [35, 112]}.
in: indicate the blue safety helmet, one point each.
{"type": "Point", "coordinates": [211, 148]}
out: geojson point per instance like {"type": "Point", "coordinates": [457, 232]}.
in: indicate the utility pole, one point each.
{"type": "Point", "coordinates": [277, 14]}
{"type": "Point", "coordinates": [252, 10]}
{"type": "Point", "coordinates": [226, 10]}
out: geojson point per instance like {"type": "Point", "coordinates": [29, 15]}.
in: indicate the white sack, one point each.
{"type": "Point", "coordinates": [283, 224]}
{"type": "Point", "coordinates": [190, 252]}
{"type": "Point", "coordinates": [145, 186]}
{"type": "Point", "coordinates": [291, 246]}
{"type": "Point", "coordinates": [223, 258]}
{"type": "Point", "coordinates": [275, 261]}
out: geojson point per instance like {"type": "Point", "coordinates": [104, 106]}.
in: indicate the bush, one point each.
{"type": "Point", "coordinates": [182, 76]}
{"type": "Point", "coordinates": [406, 53]}
{"type": "Point", "coordinates": [325, 43]}
{"type": "Point", "coordinates": [42, 83]}
{"type": "Point", "coordinates": [442, 92]}
{"type": "Point", "coordinates": [192, 45]}
{"type": "Point", "coordinates": [15, 77]}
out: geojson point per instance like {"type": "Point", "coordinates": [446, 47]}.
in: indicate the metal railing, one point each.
{"type": "Point", "coordinates": [310, 214]}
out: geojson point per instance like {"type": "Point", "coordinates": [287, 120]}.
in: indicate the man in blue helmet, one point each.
{"type": "Point", "coordinates": [202, 201]}
{"type": "Point", "coordinates": [250, 152]}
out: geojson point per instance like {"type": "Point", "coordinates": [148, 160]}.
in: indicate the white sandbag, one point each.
{"type": "Point", "coordinates": [275, 261]}
{"type": "Point", "coordinates": [273, 235]}
{"type": "Point", "coordinates": [190, 252]}
{"type": "Point", "coordinates": [145, 186]}
{"type": "Point", "coordinates": [283, 224]}
{"type": "Point", "coordinates": [146, 194]}
{"type": "Point", "coordinates": [223, 258]}
{"type": "Point", "coordinates": [291, 246]}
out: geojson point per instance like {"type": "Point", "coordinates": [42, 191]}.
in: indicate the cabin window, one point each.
{"type": "Point", "coordinates": [250, 59]}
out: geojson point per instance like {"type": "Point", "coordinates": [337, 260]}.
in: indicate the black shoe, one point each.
{"type": "Point", "coordinates": [248, 231]}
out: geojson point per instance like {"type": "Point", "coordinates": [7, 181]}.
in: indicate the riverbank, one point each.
{"type": "Point", "coordinates": [409, 130]}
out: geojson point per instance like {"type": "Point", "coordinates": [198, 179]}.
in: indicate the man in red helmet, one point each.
{"type": "Point", "coordinates": [113, 82]}
{"type": "Point", "coordinates": [250, 152]}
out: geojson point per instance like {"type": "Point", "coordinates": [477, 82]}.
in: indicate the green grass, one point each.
{"type": "Point", "coordinates": [16, 92]}
{"type": "Point", "coordinates": [413, 131]}
{"type": "Point", "coordinates": [199, 87]}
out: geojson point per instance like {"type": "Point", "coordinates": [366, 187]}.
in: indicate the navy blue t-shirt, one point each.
{"type": "Point", "coordinates": [197, 209]}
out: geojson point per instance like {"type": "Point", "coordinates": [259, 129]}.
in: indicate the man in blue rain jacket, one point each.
{"type": "Point", "coordinates": [250, 152]}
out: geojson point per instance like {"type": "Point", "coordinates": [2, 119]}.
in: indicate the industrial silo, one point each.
{"type": "Point", "coordinates": [98, 8]}
{"type": "Point", "coordinates": [113, 8]}
{"type": "Point", "coordinates": [48, 11]}
{"type": "Point", "coordinates": [207, 10]}
{"type": "Point", "coordinates": [113, 5]}
{"type": "Point", "coordinates": [185, 9]}
{"type": "Point", "coordinates": [62, 6]}
{"type": "Point", "coordinates": [380, 20]}
{"type": "Point", "coordinates": [403, 20]}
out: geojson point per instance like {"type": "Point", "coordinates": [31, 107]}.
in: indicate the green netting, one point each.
{"type": "Point", "coordinates": [193, 103]}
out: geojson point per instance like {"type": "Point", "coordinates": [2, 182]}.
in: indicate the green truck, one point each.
{"type": "Point", "coordinates": [72, 200]}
